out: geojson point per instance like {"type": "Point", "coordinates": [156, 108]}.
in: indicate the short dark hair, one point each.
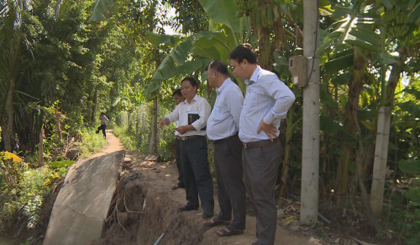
{"type": "Point", "coordinates": [192, 81]}
{"type": "Point", "coordinates": [219, 66]}
{"type": "Point", "coordinates": [243, 52]}
{"type": "Point", "coordinates": [177, 92]}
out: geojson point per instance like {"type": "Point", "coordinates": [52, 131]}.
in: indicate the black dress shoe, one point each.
{"type": "Point", "coordinates": [207, 215]}
{"type": "Point", "coordinates": [187, 208]}
{"type": "Point", "coordinates": [216, 222]}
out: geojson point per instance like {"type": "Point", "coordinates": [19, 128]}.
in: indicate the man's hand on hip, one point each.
{"type": "Point", "coordinates": [269, 129]}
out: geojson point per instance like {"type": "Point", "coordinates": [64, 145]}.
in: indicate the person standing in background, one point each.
{"type": "Point", "coordinates": [178, 98]}
{"type": "Point", "coordinates": [222, 130]}
{"type": "Point", "coordinates": [267, 101]}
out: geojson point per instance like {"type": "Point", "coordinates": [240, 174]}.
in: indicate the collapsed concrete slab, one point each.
{"type": "Point", "coordinates": [83, 202]}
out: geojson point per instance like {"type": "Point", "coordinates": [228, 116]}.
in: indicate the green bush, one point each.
{"type": "Point", "coordinates": [23, 189]}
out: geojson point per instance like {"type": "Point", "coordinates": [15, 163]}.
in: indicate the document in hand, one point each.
{"type": "Point", "coordinates": [192, 117]}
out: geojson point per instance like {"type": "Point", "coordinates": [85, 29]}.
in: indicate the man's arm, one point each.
{"type": "Point", "coordinates": [283, 97]}
{"type": "Point", "coordinates": [171, 117]}
{"type": "Point", "coordinates": [234, 101]}
{"type": "Point", "coordinates": [204, 113]}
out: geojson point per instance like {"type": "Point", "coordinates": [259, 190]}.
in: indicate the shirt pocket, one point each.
{"type": "Point", "coordinates": [252, 99]}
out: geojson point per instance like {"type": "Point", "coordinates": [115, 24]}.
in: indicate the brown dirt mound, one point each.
{"type": "Point", "coordinates": [141, 212]}
{"type": "Point", "coordinates": [144, 208]}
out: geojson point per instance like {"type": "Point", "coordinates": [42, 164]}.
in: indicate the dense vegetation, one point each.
{"type": "Point", "coordinates": [63, 62]}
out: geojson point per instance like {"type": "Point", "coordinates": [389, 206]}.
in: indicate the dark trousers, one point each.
{"type": "Point", "coordinates": [261, 167]}
{"type": "Point", "coordinates": [230, 186]}
{"type": "Point", "coordinates": [195, 168]}
{"type": "Point", "coordinates": [102, 127]}
{"type": "Point", "coordinates": [178, 162]}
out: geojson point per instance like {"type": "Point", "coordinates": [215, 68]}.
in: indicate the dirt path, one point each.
{"type": "Point", "coordinates": [154, 180]}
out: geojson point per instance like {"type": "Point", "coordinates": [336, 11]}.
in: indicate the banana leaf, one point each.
{"type": "Point", "coordinates": [102, 10]}
{"type": "Point", "coordinates": [223, 11]}
{"type": "Point", "coordinates": [158, 39]}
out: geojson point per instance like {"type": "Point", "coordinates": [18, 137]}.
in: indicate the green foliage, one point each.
{"type": "Point", "coordinates": [23, 189]}
{"type": "Point", "coordinates": [134, 131]}
{"type": "Point", "coordinates": [60, 164]}
{"type": "Point", "coordinates": [90, 142]}
{"type": "Point", "coordinates": [411, 167]}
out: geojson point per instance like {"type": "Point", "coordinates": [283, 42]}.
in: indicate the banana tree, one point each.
{"type": "Point", "coordinates": [364, 52]}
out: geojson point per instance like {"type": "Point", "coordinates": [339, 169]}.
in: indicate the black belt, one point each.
{"type": "Point", "coordinates": [225, 139]}
{"type": "Point", "coordinates": [190, 137]}
{"type": "Point", "coordinates": [260, 143]}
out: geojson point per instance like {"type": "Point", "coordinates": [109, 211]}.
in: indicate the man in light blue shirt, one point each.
{"type": "Point", "coordinates": [267, 101]}
{"type": "Point", "coordinates": [222, 130]}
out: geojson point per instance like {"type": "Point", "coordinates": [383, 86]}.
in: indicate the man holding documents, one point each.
{"type": "Point", "coordinates": [192, 115]}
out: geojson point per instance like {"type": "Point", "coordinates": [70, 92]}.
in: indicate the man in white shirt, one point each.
{"type": "Point", "coordinates": [222, 130]}
{"type": "Point", "coordinates": [178, 98]}
{"type": "Point", "coordinates": [267, 101]}
{"type": "Point", "coordinates": [192, 115]}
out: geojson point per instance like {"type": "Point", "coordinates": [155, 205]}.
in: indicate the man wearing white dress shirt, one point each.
{"type": "Point", "coordinates": [222, 130]}
{"type": "Point", "coordinates": [192, 115]}
{"type": "Point", "coordinates": [267, 101]}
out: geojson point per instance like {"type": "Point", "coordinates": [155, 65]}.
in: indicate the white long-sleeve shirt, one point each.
{"type": "Point", "coordinates": [267, 99]}
{"type": "Point", "coordinates": [224, 118]}
{"type": "Point", "coordinates": [198, 106]}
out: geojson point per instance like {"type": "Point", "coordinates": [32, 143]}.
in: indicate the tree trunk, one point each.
{"type": "Point", "coordinates": [355, 88]}
{"type": "Point", "coordinates": [395, 78]}
{"type": "Point", "coordinates": [269, 31]}
{"type": "Point", "coordinates": [379, 165]}
{"type": "Point", "coordinates": [361, 155]}
{"type": "Point", "coordinates": [7, 129]}
{"type": "Point", "coordinates": [58, 125]}
{"type": "Point", "coordinates": [95, 105]}
{"type": "Point", "coordinates": [41, 147]}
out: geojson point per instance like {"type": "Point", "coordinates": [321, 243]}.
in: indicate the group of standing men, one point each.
{"type": "Point", "coordinates": [244, 132]}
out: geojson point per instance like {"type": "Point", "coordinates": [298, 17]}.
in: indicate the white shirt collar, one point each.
{"type": "Point", "coordinates": [254, 77]}
{"type": "Point", "coordinates": [224, 85]}
{"type": "Point", "coordinates": [186, 101]}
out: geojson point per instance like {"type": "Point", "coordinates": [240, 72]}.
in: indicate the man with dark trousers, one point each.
{"type": "Point", "coordinates": [267, 101]}
{"type": "Point", "coordinates": [192, 115]}
{"type": "Point", "coordinates": [178, 98]}
{"type": "Point", "coordinates": [222, 130]}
